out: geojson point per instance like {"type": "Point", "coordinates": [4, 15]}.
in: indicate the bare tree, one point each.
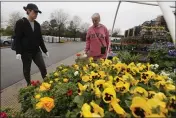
{"type": "Point", "coordinates": [45, 27]}
{"type": "Point", "coordinates": [76, 25]}
{"type": "Point", "coordinates": [84, 27]}
{"type": "Point", "coordinates": [116, 32]}
{"type": "Point", "coordinates": [13, 18]}
{"type": "Point", "coordinates": [61, 19]}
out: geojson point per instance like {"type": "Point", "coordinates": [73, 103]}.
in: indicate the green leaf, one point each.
{"type": "Point", "coordinates": [128, 103]}
{"type": "Point", "coordinates": [68, 114]}
{"type": "Point", "coordinates": [79, 100]}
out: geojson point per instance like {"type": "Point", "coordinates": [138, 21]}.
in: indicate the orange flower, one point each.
{"type": "Point", "coordinates": [78, 55]}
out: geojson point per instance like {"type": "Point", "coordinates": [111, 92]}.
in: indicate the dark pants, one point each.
{"type": "Point", "coordinates": [38, 60]}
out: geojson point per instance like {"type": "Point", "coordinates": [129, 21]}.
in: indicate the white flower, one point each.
{"type": "Point", "coordinates": [139, 64]}
{"type": "Point", "coordinates": [84, 55]}
{"type": "Point", "coordinates": [76, 73]}
{"type": "Point", "coordinates": [164, 73]}
{"type": "Point", "coordinates": [156, 66]}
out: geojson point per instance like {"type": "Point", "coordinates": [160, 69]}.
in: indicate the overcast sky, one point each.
{"type": "Point", "coordinates": [129, 15]}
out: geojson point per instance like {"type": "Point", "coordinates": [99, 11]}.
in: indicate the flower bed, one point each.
{"type": "Point", "coordinates": [101, 89]}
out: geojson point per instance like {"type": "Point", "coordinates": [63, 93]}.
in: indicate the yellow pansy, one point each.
{"type": "Point", "coordinates": [51, 82]}
{"type": "Point", "coordinates": [122, 87]}
{"type": "Point", "coordinates": [85, 68]}
{"type": "Point", "coordinates": [93, 75]}
{"type": "Point", "coordinates": [118, 79]}
{"type": "Point", "coordinates": [94, 65]}
{"type": "Point", "coordinates": [107, 62]}
{"type": "Point", "coordinates": [85, 78]}
{"type": "Point", "coordinates": [65, 80]}
{"type": "Point", "coordinates": [109, 94]}
{"type": "Point", "coordinates": [94, 115]}
{"type": "Point", "coordinates": [154, 103]}
{"type": "Point", "coordinates": [151, 94]}
{"type": "Point", "coordinates": [110, 78]}
{"type": "Point", "coordinates": [56, 74]}
{"type": "Point", "coordinates": [102, 74]}
{"type": "Point", "coordinates": [139, 107]}
{"type": "Point", "coordinates": [86, 111]}
{"type": "Point", "coordinates": [115, 59]}
{"type": "Point", "coordinates": [57, 79]}
{"type": "Point", "coordinates": [64, 70]}
{"type": "Point", "coordinates": [159, 78]}
{"type": "Point", "coordinates": [160, 84]}
{"type": "Point", "coordinates": [39, 105]}
{"type": "Point", "coordinates": [98, 92]}
{"type": "Point", "coordinates": [117, 108]}
{"type": "Point", "coordinates": [140, 91]}
{"type": "Point", "coordinates": [97, 109]}
{"type": "Point", "coordinates": [108, 85]}
{"type": "Point", "coordinates": [160, 96]}
{"type": "Point", "coordinates": [46, 103]}
{"type": "Point", "coordinates": [99, 83]}
{"type": "Point", "coordinates": [37, 96]}
{"type": "Point", "coordinates": [81, 88]}
{"type": "Point", "coordinates": [90, 59]}
{"type": "Point", "coordinates": [76, 66]}
{"type": "Point", "coordinates": [121, 68]}
{"type": "Point", "coordinates": [45, 86]}
{"type": "Point", "coordinates": [172, 103]}
{"type": "Point", "coordinates": [170, 87]}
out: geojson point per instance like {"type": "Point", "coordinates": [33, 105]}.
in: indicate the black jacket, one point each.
{"type": "Point", "coordinates": [28, 40]}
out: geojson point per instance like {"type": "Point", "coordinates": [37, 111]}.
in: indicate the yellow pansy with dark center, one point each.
{"type": "Point", "coordinates": [109, 94]}
{"type": "Point", "coordinates": [122, 87]}
{"type": "Point", "coordinates": [120, 67]}
{"type": "Point", "coordinates": [151, 94]}
{"type": "Point", "coordinates": [81, 88]}
{"type": "Point", "coordinates": [117, 79]}
{"type": "Point", "coordinates": [144, 76]}
{"type": "Point", "coordinates": [140, 91]}
{"type": "Point", "coordinates": [172, 104]}
{"type": "Point", "coordinates": [139, 107]}
{"type": "Point", "coordinates": [94, 75]}
{"type": "Point", "coordinates": [128, 70]}
{"type": "Point", "coordinates": [139, 112]}
{"type": "Point", "coordinates": [102, 74]}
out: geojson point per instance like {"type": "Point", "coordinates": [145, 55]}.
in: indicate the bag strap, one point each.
{"type": "Point", "coordinates": [98, 38]}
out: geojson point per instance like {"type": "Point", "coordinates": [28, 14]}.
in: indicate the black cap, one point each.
{"type": "Point", "coordinates": [32, 7]}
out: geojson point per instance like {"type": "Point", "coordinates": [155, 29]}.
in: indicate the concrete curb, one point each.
{"type": "Point", "coordinates": [9, 95]}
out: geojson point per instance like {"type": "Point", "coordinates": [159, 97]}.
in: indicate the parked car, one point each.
{"type": "Point", "coordinates": [5, 40]}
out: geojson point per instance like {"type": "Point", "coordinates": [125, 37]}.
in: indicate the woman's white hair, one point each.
{"type": "Point", "coordinates": [96, 15]}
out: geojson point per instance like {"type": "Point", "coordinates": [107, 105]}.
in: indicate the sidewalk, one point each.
{"type": "Point", "coordinates": [9, 95]}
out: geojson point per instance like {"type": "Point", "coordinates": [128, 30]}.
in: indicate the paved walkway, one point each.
{"type": "Point", "coordinates": [9, 95]}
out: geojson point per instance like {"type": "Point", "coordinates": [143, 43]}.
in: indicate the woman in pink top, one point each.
{"type": "Point", "coordinates": [97, 37]}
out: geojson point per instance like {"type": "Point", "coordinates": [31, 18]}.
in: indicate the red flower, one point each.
{"type": "Point", "coordinates": [35, 83]}
{"type": "Point", "coordinates": [69, 92]}
{"type": "Point", "coordinates": [78, 55]}
{"type": "Point", "coordinates": [3, 115]}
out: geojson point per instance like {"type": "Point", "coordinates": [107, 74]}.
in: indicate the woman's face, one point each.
{"type": "Point", "coordinates": [33, 14]}
{"type": "Point", "coordinates": [96, 21]}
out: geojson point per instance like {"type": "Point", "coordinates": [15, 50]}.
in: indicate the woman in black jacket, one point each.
{"type": "Point", "coordinates": [29, 41]}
